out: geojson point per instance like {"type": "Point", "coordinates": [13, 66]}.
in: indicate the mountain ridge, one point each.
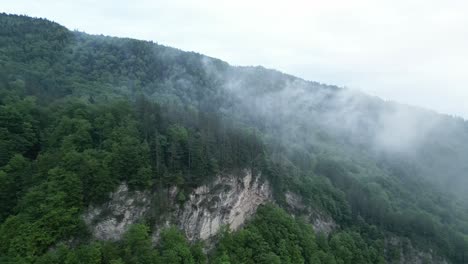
{"type": "Point", "coordinates": [83, 114]}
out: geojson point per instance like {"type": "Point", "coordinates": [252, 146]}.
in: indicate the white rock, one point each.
{"type": "Point", "coordinates": [111, 220]}
{"type": "Point", "coordinates": [229, 200]}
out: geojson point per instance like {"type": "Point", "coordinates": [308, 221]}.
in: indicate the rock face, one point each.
{"type": "Point", "coordinates": [124, 208]}
{"type": "Point", "coordinates": [400, 250]}
{"type": "Point", "coordinates": [321, 222]}
{"type": "Point", "coordinates": [228, 201]}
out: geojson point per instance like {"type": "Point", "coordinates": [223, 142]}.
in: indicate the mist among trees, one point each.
{"type": "Point", "coordinates": [79, 114]}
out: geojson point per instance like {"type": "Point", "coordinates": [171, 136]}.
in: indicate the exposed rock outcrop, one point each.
{"type": "Point", "coordinates": [227, 201]}
{"type": "Point", "coordinates": [124, 208]}
{"type": "Point", "coordinates": [321, 222]}
{"type": "Point", "coordinates": [400, 250]}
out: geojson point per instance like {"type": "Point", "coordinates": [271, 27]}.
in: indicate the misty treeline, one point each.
{"type": "Point", "coordinates": [80, 114]}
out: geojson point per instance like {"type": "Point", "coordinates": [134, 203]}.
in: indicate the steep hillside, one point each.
{"type": "Point", "coordinates": [124, 151]}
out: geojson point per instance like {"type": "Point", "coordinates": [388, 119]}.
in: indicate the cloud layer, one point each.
{"type": "Point", "coordinates": [409, 51]}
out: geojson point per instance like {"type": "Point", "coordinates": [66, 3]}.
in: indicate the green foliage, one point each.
{"type": "Point", "coordinates": [174, 248]}
{"type": "Point", "coordinates": [275, 237]}
{"type": "Point", "coordinates": [18, 129]}
{"type": "Point", "coordinates": [79, 114]}
{"type": "Point", "coordinates": [49, 212]}
{"type": "Point", "coordinates": [137, 246]}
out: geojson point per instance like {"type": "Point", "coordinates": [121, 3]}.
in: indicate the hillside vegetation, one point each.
{"type": "Point", "coordinates": [79, 114]}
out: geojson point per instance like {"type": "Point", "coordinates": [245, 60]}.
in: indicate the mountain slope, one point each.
{"type": "Point", "coordinates": [82, 114]}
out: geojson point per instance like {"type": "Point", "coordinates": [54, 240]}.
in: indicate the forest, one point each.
{"type": "Point", "coordinates": [79, 114]}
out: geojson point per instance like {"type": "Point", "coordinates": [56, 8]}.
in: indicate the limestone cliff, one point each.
{"type": "Point", "coordinates": [401, 250]}
{"type": "Point", "coordinates": [321, 222]}
{"type": "Point", "coordinates": [110, 220]}
{"type": "Point", "coordinates": [229, 200]}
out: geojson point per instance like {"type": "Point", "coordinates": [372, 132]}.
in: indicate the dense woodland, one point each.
{"type": "Point", "coordinates": [80, 114]}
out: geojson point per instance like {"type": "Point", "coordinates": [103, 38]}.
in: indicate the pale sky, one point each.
{"type": "Point", "coordinates": [410, 51]}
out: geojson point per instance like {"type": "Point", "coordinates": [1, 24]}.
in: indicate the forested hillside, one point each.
{"type": "Point", "coordinates": [81, 114]}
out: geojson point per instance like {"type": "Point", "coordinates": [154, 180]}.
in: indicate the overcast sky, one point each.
{"type": "Point", "coordinates": [410, 51]}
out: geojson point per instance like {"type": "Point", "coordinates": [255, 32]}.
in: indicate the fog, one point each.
{"type": "Point", "coordinates": [330, 120]}
{"type": "Point", "coordinates": [299, 108]}
{"type": "Point", "coordinates": [383, 57]}
{"type": "Point", "coordinates": [412, 52]}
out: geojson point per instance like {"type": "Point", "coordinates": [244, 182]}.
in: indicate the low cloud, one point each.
{"type": "Point", "coordinates": [413, 52]}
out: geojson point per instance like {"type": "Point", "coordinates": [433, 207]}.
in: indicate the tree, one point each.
{"type": "Point", "coordinates": [137, 246]}
{"type": "Point", "coordinates": [173, 247]}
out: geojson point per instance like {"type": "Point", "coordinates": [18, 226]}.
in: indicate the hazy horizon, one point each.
{"type": "Point", "coordinates": [125, 139]}
{"type": "Point", "coordinates": [409, 53]}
